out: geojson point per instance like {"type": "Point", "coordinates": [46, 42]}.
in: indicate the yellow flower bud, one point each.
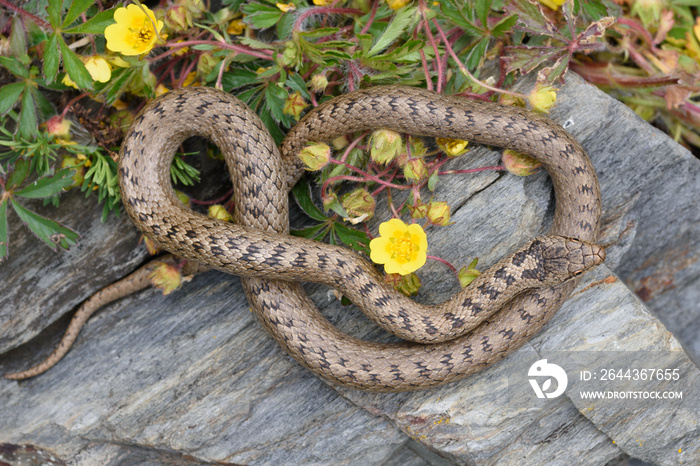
{"type": "Point", "coordinates": [452, 147]}
{"type": "Point", "coordinates": [415, 170]}
{"type": "Point", "coordinates": [340, 142]}
{"type": "Point", "coordinates": [328, 200]}
{"type": "Point", "coordinates": [542, 98]}
{"type": "Point", "coordinates": [178, 18]}
{"type": "Point", "coordinates": [649, 11]}
{"type": "Point", "coordinates": [417, 146]}
{"type": "Point", "coordinates": [359, 205]}
{"type": "Point", "coordinates": [206, 63]}
{"type": "Point", "coordinates": [519, 164]}
{"type": "Point", "coordinates": [439, 213]}
{"type": "Point", "coordinates": [74, 163]}
{"type": "Point", "coordinates": [384, 145]}
{"type": "Point", "coordinates": [319, 83]}
{"type": "Point", "coordinates": [467, 274]}
{"type": "Point", "coordinates": [167, 277]}
{"type": "Point", "coordinates": [315, 156]}
{"type": "Point", "coordinates": [219, 212]}
{"type": "Point", "coordinates": [151, 246]}
{"type": "Point", "coordinates": [294, 105]}
{"type": "Point", "coordinates": [407, 284]}
{"type": "Point", "coordinates": [184, 198]}
{"type": "Point", "coordinates": [58, 127]}
{"type": "Point", "coordinates": [291, 55]}
{"type": "Point", "coordinates": [418, 210]}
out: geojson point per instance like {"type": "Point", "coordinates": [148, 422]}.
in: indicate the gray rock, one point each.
{"type": "Point", "coordinates": [192, 378]}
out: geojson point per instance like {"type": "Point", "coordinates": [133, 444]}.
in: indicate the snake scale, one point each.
{"type": "Point", "coordinates": [475, 328]}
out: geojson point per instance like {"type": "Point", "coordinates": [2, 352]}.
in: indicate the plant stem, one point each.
{"type": "Point", "coordinates": [40, 22]}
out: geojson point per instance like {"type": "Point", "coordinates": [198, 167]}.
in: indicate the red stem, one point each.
{"type": "Point", "coordinates": [439, 259]}
{"type": "Point", "coordinates": [40, 22]}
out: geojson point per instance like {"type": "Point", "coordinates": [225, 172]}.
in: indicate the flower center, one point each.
{"type": "Point", "coordinates": [402, 248]}
{"type": "Point", "coordinates": [143, 36]}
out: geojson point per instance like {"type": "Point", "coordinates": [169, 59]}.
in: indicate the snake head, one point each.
{"type": "Point", "coordinates": [565, 257]}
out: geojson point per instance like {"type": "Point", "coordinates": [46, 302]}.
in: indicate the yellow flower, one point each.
{"type": "Point", "coordinates": [322, 2]}
{"type": "Point", "coordinates": [134, 32]}
{"type": "Point", "coordinates": [68, 81]}
{"type": "Point", "coordinates": [401, 248]}
{"type": "Point", "coordinates": [552, 4]}
{"type": "Point", "coordinates": [397, 4]}
{"type": "Point", "coordinates": [696, 28]}
{"type": "Point", "coordinates": [285, 7]}
{"type": "Point", "coordinates": [236, 27]}
{"type": "Point", "coordinates": [542, 98]}
{"type": "Point", "coordinates": [452, 147]}
{"type": "Point", "coordinates": [98, 68]}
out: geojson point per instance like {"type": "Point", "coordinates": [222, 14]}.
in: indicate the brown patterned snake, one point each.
{"type": "Point", "coordinates": [259, 248]}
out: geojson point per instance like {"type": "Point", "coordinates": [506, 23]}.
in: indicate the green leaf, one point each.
{"type": "Point", "coordinates": [357, 240]}
{"type": "Point", "coordinates": [4, 237]}
{"type": "Point", "coordinates": [51, 57]}
{"type": "Point", "coordinates": [27, 125]}
{"type": "Point", "coordinates": [314, 232]}
{"type": "Point", "coordinates": [77, 7]}
{"type": "Point", "coordinates": [19, 174]}
{"type": "Point", "coordinates": [14, 66]}
{"type": "Point", "coordinates": [302, 194]}
{"type": "Point", "coordinates": [275, 97]}
{"type": "Point", "coordinates": [47, 187]}
{"type": "Point", "coordinates": [296, 83]}
{"type": "Point", "coordinates": [54, 10]}
{"type": "Point", "coordinates": [18, 38]}
{"type": "Point", "coordinates": [49, 231]}
{"type": "Point", "coordinates": [238, 77]}
{"type": "Point", "coordinates": [75, 67]}
{"type": "Point", "coordinates": [95, 25]}
{"type": "Point", "coordinates": [504, 26]}
{"type": "Point", "coordinates": [9, 95]}
{"type": "Point", "coordinates": [477, 53]}
{"type": "Point", "coordinates": [261, 16]}
{"type": "Point", "coordinates": [397, 26]}
{"type": "Point", "coordinates": [483, 8]}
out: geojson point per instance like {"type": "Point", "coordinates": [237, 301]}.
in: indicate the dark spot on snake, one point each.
{"type": "Point", "coordinates": [429, 327]}
{"type": "Point", "coordinates": [519, 258]}
{"type": "Point", "coordinates": [507, 334]}
{"type": "Point", "coordinates": [487, 289]}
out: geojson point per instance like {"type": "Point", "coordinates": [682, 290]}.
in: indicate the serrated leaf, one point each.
{"type": "Point", "coordinates": [4, 236]}
{"type": "Point", "coordinates": [95, 25]}
{"type": "Point", "coordinates": [49, 231]}
{"type": "Point", "coordinates": [47, 187]}
{"type": "Point", "coordinates": [77, 7]}
{"type": "Point", "coordinates": [14, 66]}
{"type": "Point", "coordinates": [397, 26]}
{"type": "Point", "coordinates": [27, 125]}
{"type": "Point", "coordinates": [19, 174]}
{"type": "Point", "coordinates": [302, 195]}
{"type": "Point", "coordinates": [51, 58]}
{"type": "Point", "coordinates": [261, 16]}
{"type": "Point", "coordinates": [54, 10]}
{"type": "Point", "coordinates": [317, 232]}
{"type": "Point", "coordinates": [357, 240]}
{"type": "Point", "coordinates": [237, 78]}
{"type": "Point", "coordinates": [477, 53]}
{"type": "Point", "coordinates": [504, 26]}
{"type": "Point", "coordinates": [18, 38]}
{"type": "Point", "coordinates": [75, 67]}
{"type": "Point", "coordinates": [271, 124]}
{"type": "Point", "coordinates": [9, 95]}
{"type": "Point", "coordinates": [296, 83]}
{"type": "Point", "coordinates": [459, 18]}
{"type": "Point", "coordinates": [526, 58]}
{"type": "Point", "coordinates": [483, 8]}
{"type": "Point", "coordinates": [275, 97]}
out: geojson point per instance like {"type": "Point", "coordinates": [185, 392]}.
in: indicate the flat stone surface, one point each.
{"type": "Point", "coordinates": [192, 378]}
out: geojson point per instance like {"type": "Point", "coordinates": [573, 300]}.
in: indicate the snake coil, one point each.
{"type": "Point", "coordinates": [475, 328]}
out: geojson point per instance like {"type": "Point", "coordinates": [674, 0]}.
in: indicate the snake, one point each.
{"type": "Point", "coordinates": [473, 329]}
